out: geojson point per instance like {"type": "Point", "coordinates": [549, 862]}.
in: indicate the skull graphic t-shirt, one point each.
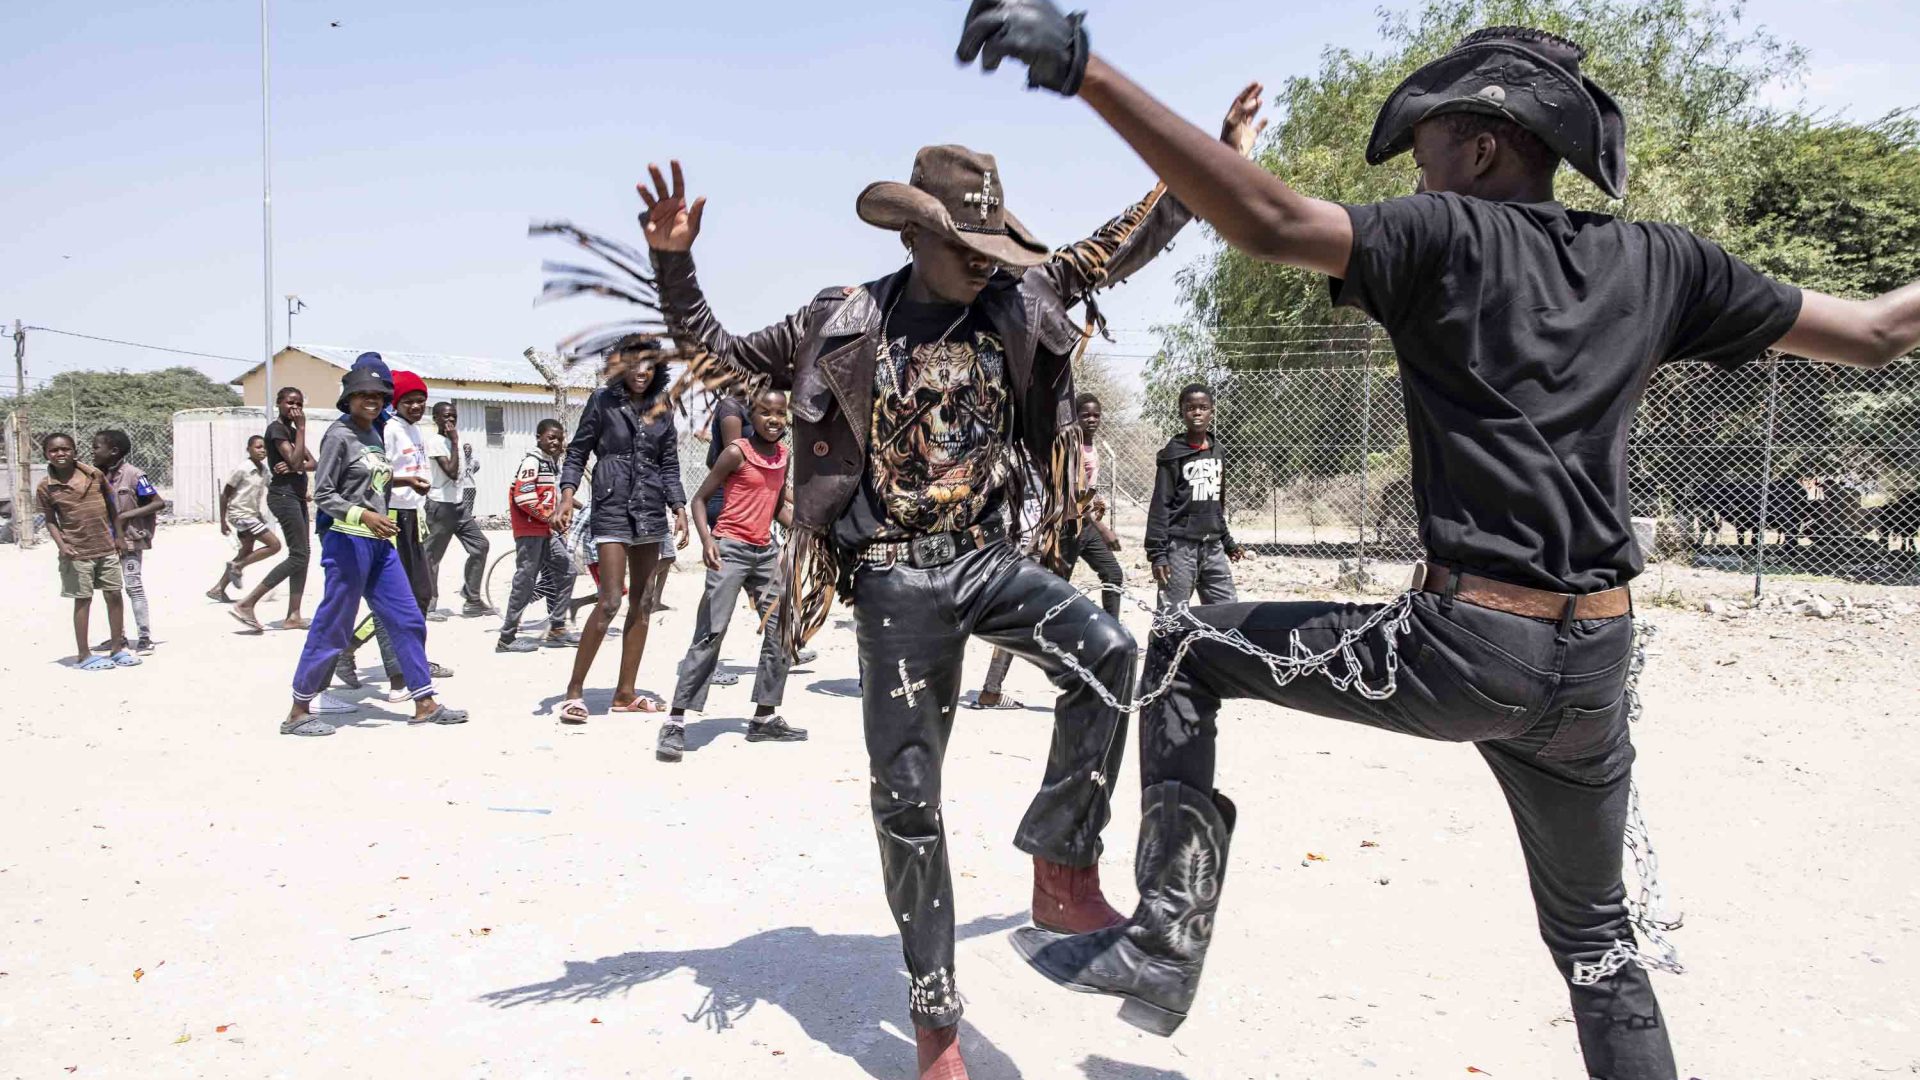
{"type": "Point", "coordinates": [937, 456]}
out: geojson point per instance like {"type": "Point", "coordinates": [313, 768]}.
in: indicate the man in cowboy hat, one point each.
{"type": "Point", "coordinates": [1525, 335]}
{"type": "Point", "coordinates": [920, 400]}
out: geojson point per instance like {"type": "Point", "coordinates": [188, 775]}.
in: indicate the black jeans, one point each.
{"type": "Point", "coordinates": [290, 510]}
{"type": "Point", "coordinates": [540, 567]}
{"type": "Point", "coordinates": [445, 522]}
{"type": "Point", "coordinates": [1091, 548]}
{"type": "Point", "coordinates": [913, 627]}
{"type": "Point", "coordinates": [1544, 704]}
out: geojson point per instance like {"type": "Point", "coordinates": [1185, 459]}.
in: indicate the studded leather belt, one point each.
{"type": "Point", "coordinates": [934, 549]}
{"type": "Point", "coordinates": [1521, 600]}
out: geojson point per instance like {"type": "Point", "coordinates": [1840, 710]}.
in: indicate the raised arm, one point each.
{"type": "Point", "coordinates": [671, 226]}
{"type": "Point", "coordinates": [1141, 232]}
{"type": "Point", "coordinates": [1862, 333]}
{"type": "Point", "coordinates": [1252, 209]}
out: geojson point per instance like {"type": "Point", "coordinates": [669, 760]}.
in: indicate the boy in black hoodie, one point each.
{"type": "Point", "coordinates": [1188, 541]}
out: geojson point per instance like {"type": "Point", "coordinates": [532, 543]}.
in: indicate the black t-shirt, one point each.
{"type": "Point", "coordinates": [294, 479]}
{"type": "Point", "coordinates": [729, 406]}
{"type": "Point", "coordinates": [1526, 335]}
{"type": "Point", "coordinates": [938, 456]}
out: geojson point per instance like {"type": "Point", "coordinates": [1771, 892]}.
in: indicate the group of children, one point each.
{"type": "Point", "coordinates": [101, 517]}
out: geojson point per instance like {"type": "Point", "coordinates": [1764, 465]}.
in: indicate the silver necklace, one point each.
{"type": "Point", "coordinates": [886, 339]}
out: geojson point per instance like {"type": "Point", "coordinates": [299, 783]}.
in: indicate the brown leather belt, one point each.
{"type": "Point", "coordinates": [1520, 600]}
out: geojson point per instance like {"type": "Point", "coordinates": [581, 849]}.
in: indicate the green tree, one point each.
{"type": "Point", "coordinates": [99, 398]}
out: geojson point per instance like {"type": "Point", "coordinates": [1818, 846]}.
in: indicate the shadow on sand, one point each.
{"type": "Point", "coordinates": [837, 986]}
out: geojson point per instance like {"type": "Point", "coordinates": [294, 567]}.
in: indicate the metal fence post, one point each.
{"type": "Point", "coordinates": [22, 455]}
{"type": "Point", "coordinates": [1366, 444]}
{"type": "Point", "coordinates": [1766, 476]}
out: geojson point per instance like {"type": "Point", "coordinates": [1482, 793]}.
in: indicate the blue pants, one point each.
{"type": "Point", "coordinates": [358, 567]}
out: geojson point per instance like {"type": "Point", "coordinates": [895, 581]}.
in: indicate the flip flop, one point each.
{"type": "Point", "coordinates": [638, 705]}
{"type": "Point", "coordinates": [293, 624]}
{"type": "Point", "coordinates": [219, 596]}
{"type": "Point", "coordinates": [1005, 704]}
{"type": "Point", "coordinates": [95, 663]}
{"type": "Point", "coordinates": [574, 711]}
{"type": "Point", "coordinates": [123, 658]}
{"type": "Point", "coordinates": [251, 622]}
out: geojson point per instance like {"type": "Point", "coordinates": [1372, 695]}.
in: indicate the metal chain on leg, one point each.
{"type": "Point", "coordinates": [1391, 620]}
{"type": "Point", "coordinates": [1645, 907]}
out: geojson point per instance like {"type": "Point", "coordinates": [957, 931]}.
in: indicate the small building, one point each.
{"type": "Point", "coordinates": [500, 401]}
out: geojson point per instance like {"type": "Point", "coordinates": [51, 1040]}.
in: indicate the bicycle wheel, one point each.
{"type": "Point", "coordinates": [504, 576]}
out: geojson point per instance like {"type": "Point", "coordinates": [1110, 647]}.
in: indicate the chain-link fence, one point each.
{"type": "Point", "coordinates": [152, 452]}
{"type": "Point", "coordinates": [1783, 467]}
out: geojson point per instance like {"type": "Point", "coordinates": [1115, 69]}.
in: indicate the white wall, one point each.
{"type": "Point", "coordinates": [208, 445]}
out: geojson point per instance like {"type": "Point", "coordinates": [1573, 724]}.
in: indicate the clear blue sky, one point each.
{"type": "Point", "coordinates": [414, 142]}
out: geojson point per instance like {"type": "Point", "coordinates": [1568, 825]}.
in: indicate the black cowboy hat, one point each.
{"type": "Point", "coordinates": [955, 192]}
{"type": "Point", "coordinates": [1527, 76]}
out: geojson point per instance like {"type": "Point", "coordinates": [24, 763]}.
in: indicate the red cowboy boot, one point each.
{"type": "Point", "coordinates": [1067, 899]}
{"type": "Point", "coordinates": [940, 1053]}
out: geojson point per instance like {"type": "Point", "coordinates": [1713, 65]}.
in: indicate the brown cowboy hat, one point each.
{"type": "Point", "coordinates": [955, 192]}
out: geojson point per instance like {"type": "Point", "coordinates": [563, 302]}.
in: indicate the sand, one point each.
{"type": "Point", "coordinates": [186, 893]}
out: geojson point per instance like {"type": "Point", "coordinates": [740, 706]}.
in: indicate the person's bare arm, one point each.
{"type": "Point", "coordinates": [152, 506]}
{"type": "Point", "coordinates": [226, 496]}
{"type": "Point", "coordinates": [1862, 333]}
{"type": "Point", "coordinates": [1252, 209]}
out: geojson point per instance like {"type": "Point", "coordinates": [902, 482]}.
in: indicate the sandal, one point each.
{"type": "Point", "coordinates": [95, 663]}
{"type": "Point", "coordinates": [440, 715]}
{"type": "Point", "coordinates": [638, 705]}
{"type": "Point", "coordinates": [123, 658]}
{"type": "Point", "coordinates": [1004, 704]}
{"type": "Point", "coordinates": [219, 596]}
{"type": "Point", "coordinates": [249, 620]}
{"type": "Point", "coordinates": [305, 725]}
{"type": "Point", "coordinates": [574, 711]}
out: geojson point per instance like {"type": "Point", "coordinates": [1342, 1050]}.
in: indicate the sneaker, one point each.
{"type": "Point", "coordinates": [774, 729]}
{"type": "Point", "coordinates": [439, 672]}
{"type": "Point", "coordinates": [348, 675]}
{"type": "Point", "coordinates": [673, 742]}
{"type": "Point", "coordinates": [397, 694]}
{"type": "Point", "coordinates": [144, 646]}
{"type": "Point", "coordinates": [438, 615]}
{"type": "Point", "coordinates": [475, 610]}
{"type": "Point", "coordinates": [518, 645]}
{"type": "Point", "coordinates": [326, 704]}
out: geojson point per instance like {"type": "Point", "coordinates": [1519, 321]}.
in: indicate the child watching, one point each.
{"type": "Point", "coordinates": [243, 509]}
{"type": "Point", "coordinates": [136, 502]}
{"type": "Point", "coordinates": [740, 553]}
{"type": "Point", "coordinates": [78, 506]}
{"type": "Point", "coordinates": [540, 563]}
{"type": "Point", "coordinates": [1188, 540]}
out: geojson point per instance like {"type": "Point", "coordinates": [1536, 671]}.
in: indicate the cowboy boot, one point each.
{"type": "Point", "coordinates": [1152, 960]}
{"type": "Point", "coordinates": [939, 1050]}
{"type": "Point", "coordinates": [1068, 900]}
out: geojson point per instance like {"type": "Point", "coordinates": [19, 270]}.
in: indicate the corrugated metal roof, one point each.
{"type": "Point", "coordinates": [514, 372]}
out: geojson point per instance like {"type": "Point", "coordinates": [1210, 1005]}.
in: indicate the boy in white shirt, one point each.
{"type": "Point", "coordinates": [450, 514]}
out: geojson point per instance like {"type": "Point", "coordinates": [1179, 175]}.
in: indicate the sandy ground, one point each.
{"type": "Point", "coordinates": [516, 899]}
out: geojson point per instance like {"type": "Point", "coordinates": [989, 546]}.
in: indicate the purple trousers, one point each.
{"type": "Point", "coordinates": [357, 567]}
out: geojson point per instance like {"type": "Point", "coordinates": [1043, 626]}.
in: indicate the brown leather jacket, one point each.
{"type": "Point", "coordinates": [825, 353]}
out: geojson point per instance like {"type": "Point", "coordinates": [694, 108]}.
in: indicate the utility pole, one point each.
{"type": "Point", "coordinates": [22, 459]}
{"type": "Point", "coordinates": [295, 306]}
{"type": "Point", "coordinates": [266, 195]}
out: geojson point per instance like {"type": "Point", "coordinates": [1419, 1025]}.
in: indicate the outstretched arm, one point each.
{"type": "Point", "coordinates": [671, 225]}
{"type": "Point", "coordinates": [1862, 333]}
{"type": "Point", "coordinates": [1252, 209]}
{"type": "Point", "coordinates": [1143, 231]}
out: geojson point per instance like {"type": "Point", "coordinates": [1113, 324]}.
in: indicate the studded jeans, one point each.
{"type": "Point", "coordinates": [913, 627]}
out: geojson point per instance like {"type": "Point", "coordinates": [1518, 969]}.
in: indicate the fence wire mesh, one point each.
{"type": "Point", "coordinates": [1781, 467]}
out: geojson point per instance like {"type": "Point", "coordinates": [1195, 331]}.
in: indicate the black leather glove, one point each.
{"type": "Point", "coordinates": [1052, 45]}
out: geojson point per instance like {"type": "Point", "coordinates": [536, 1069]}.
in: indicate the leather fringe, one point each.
{"type": "Point", "coordinates": [1091, 257]}
{"type": "Point", "coordinates": [1059, 500]}
{"type": "Point", "coordinates": [812, 574]}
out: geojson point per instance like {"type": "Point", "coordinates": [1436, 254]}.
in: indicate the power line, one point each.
{"type": "Point", "coordinates": [141, 345]}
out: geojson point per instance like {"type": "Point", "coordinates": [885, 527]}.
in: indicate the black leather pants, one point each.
{"type": "Point", "coordinates": [913, 627]}
{"type": "Point", "coordinates": [1542, 703]}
